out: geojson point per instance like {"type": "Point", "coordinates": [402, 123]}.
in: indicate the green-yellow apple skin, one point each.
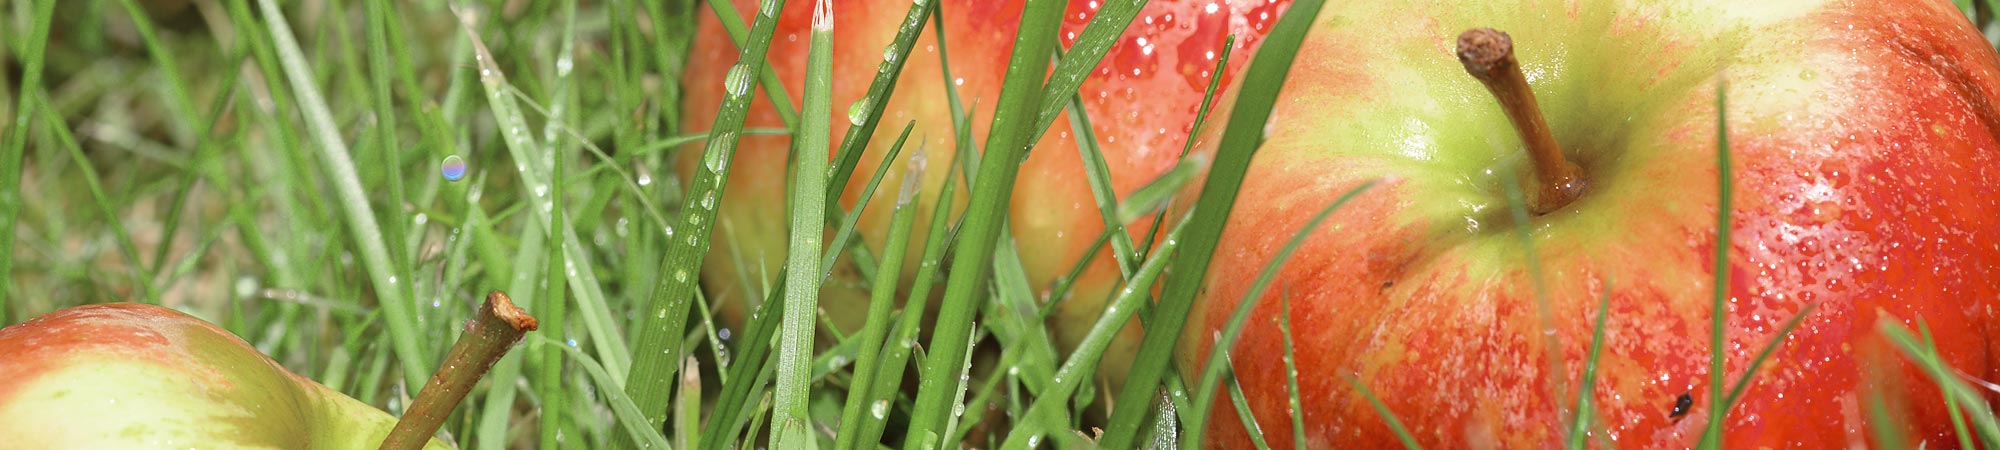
{"type": "Point", "coordinates": [1142, 100]}
{"type": "Point", "coordinates": [1862, 146]}
{"type": "Point", "coordinates": [131, 376]}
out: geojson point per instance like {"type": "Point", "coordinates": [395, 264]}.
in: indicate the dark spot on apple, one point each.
{"type": "Point", "coordinates": [1681, 405]}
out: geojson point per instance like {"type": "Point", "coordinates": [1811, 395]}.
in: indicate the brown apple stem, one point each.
{"type": "Point", "coordinates": [1488, 55]}
{"type": "Point", "coordinates": [496, 328]}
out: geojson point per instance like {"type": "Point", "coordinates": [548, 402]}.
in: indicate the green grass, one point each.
{"type": "Point", "coordinates": [273, 167]}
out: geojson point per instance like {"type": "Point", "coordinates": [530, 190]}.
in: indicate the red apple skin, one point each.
{"type": "Point", "coordinates": [1142, 99]}
{"type": "Point", "coordinates": [1868, 190]}
{"type": "Point", "coordinates": [132, 376]}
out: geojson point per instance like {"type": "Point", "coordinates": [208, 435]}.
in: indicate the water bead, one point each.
{"type": "Point", "coordinates": [858, 112]}
{"type": "Point", "coordinates": [737, 81]}
{"type": "Point", "coordinates": [453, 168]}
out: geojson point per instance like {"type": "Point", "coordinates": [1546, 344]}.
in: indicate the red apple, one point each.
{"type": "Point", "coordinates": [1142, 101]}
{"type": "Point", "coordinates": [1863, 142]}
{"type": "Point", "coordinates": [133, 376]}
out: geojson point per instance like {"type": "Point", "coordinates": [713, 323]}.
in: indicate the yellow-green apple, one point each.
{"type": "Point", "coordinates": [1862, 138]}
{"type": "Point", "coordinates": [1142, 100]}
{"type": "Point", "coordinates": [133, 376]}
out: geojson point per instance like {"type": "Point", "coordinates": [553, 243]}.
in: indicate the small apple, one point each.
{"type": "Point", "coordinates": [1142, 101]}
{"type": "Point", "coordinates": [1863, 139]}
{"type": "Point", "coordinates": [131, 376]}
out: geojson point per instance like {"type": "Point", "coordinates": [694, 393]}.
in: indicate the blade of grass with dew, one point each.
{"type": "Point", "coordinates": [57, 127]}
{"type": "Point", "coordinates": [889, 374]}
{"type": "Point", "coordinates": [1098, 176]}
{"type": "Point", "coordinates": [1291, 372]}
{"type": "Point", "coordinates": [764, 321]}
{"type": "Point", "coordinates": [1218, 196]}
{"type": "Point", "coordinates": [795, 339]}
{"type": "Point", "coordinates": [1395, 425]}
{"type": "Point", "coordinates": [866, 113]}
{"type": "Point", "coordinates": [1085, 52]}
{"type": "Point", "coordinates": [1580, 424]}
{"type": "Point", "coordinates": [629, 418]}
{"type": "Point", "coordinates": [1243, 413]}
{"type": "Point", "coordinates": [1985, 425]}
{"type": "Point", "coordinates": [957, 405]}
{"type": "Point", "coordinates": [767, 79]}
{"type": "Point", "coordinates": [1950, 403]}
{"type": "Point", "coordinates": [1711, 436]}
{"type": "Point", "coordinates": [1216, 365]}
{"type": "Point", "coordinates": [534, 164]}
{"type": "Point", "coordinates": [1008, 143]}
{"type": "Point", "coordinates": [17, 143]}
{"type": "Point", "coordinates": [626, 180]}
{"type": "Point", "coordinates": [396, 298]}
{"type": "Point", "coordinates": [658, 344]}
{"type": "Point", "coordinates": [875, 329]}
{"type": "Point", "coordinates": [1049, 413]}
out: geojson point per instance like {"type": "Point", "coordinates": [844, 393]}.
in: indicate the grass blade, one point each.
{"type": "Point", "coordinates": [871, 106]}
{"type": "Point", "coordinates": [1243, 412]}
{"type": "Point", "coordinates": [1218, 196]}
{"type": "Point", "coordinates": [658, 343]}
{"type": "Point", "coordinates": [1216, 365]}
{"type": "Point", "coordinates": [34, 54]}
{"type": "Point", "coordinates": [1395, 425]}
{"type": "Point", "coordinates": [397, 300]}
{"type": "Point", "coordinates": [889, 374]}
{"type": "Point", "coordinates": [1711, 436]}
{"type": "Point", "coordinates": [1580, 425]}
{"type": "Point", "coordinates": [535, 165]}
{"type": "Point", "coordinates": [795, 342]}
{"type": "Point", "coordinates": [1292, 373]}
{"type": "Point", "coordinates": [875, 330]}
{"type": "Point", "coordinates": [985, 215]}
{"type": "Point", "coordinates": [1049, 413]}
{"type": "Point", "coordinates": [622, 407]}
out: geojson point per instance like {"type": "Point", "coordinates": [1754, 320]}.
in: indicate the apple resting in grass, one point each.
{"type": "Point", "coordinates": [1142, 101]}
{"type": "Point", "coordinates": [1862, 139]}
{"type": "Point", "coordinates": [130, 376]}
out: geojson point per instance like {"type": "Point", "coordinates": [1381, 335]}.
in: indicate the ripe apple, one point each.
{"type": "Point", "coordinates": [1863, 140]}
{"type": "Point", "coordinates": [1142, 101]}
{"type": "Point", "coordinates": [133, 376]}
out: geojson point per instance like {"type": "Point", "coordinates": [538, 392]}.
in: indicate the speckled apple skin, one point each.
{"type": "Point", "coordinates": [1862, 136]}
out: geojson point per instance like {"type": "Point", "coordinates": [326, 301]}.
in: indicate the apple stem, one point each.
{"type": "Point", "coordinates": [495, 329]}
{"type": "Point", "coordinates": [1488, 55]}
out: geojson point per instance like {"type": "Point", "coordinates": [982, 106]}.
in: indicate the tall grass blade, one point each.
{"type": "Point", "coordinates": [1218, 196]}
